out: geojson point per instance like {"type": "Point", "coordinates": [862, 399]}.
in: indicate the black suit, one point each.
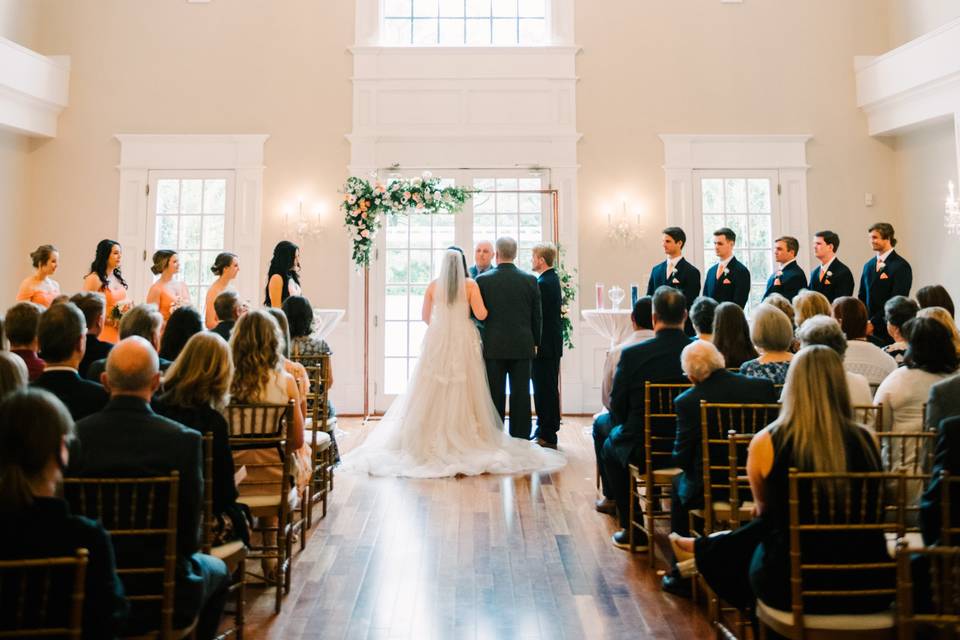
{"type": "Point", "coordinates": [546, 366]}
{"type": "Point", "coordinates": [655, 360]}
{"type": "Point", "coordinates": [82, 397]}
{"type": "Point", "coordinates": [98, 367]}
{"type": "Point", "coordinates": [511, 333]}
{"type": "Point", "coordinates": [734, 286]}
{"type": "Point", "coordinates": [895, 279]}
{"type": "Point", "coordinates": [792, 279]}
{"type": "Point", "coordinates": [684, 277]}
{"type": "Point", "coordinates": [721, 386]}
{"type": "Point", "coordinates": [96, 349]}
{"type": "Point", "coordinates": [128, 439]}
{"type": "Point", "coordinates": [223, 329]}
{"type": "Point", "coordinates": [946, 458]}
{"type": "Point", "coordinates": [837, 282]}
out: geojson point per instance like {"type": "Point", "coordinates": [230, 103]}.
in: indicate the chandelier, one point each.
{"type": "Point", "coordinates": [951, 216]}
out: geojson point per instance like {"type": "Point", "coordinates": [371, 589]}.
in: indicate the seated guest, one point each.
{"type": "Point", "coordinates": [772, 333]}
{"type": "Point", "coordinates": [642, 321]}
{"type": "Point", "coordinates": [182, 324]}
{"type": "Point", "coordinates": [92, 305]}
{"type": "Point", "coordinates": [128, 439]}
{"type": "Point", "coordinates": [863, 356]}
{"type": "Point", "coordinates": [778, 301]}
{"type": "Point", "coordinates": [13, 373]}
{"type": "Point", "coordinates": [703, 365]}
{"type": "Point", "coordinates": [946, 458]}
{"type": "Point", "coordinates": [20, 326]}
{"type": "Point", "coordinates": [34, 523]}
{"type": "Point", "coordinates": [897, 311]}
{"type": "Point", "coordinates": [228, 308]}
{"type": "Point", "coordinates": [295, 369]}
{"type": "Point", "coordinates": [808, 304]}
{"type": "Point", "coordinates": [143, 321]}
{"type": "Point", "coordinates": [618, 436]}
{"type": "Point", "coordinates": [731, 334]}
{"type": "Point", "coordinates": [701, 316]}
{"type": "Point", "coordinates": [824, 330]}
{"type": "Point", "coordinates": [814, 433]}
{"type": "Point", "coordinates": [943, 402]}
{"type": "Point", "coordinates": [300, 316]}
{"type": "Point", "coordinates": [62, 341]}
{"type": "Point", "coordinates": [943, 316]}
{"type": "Point", "coordinates": [195, 391]}
{"type": "Point", "coordinates": [935, 296]}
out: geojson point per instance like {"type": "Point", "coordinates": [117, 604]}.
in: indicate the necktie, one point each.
{"type": "Point", "coordinates": [823, 273]}
{"type": "Point", "coordinates": [720, 268]}
{"type": "Point", "coordinates": [879, 265]}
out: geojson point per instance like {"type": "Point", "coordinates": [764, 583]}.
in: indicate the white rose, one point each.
{"type": "Point", "coordinates": [427, 175]}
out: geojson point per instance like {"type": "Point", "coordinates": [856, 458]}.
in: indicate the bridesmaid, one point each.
{"type": "Point", "coordinates": [106, 278]}
{"type": "Point", "coordinates": [283, 278]}
{"type": "Point", "coordinates": [168, 294]}
{"type": "Point", "coordinates": [40, 287]}
{"type": "Point", "coordinates": [226, 267]}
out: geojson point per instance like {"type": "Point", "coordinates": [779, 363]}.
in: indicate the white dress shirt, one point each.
{"type": "Point", "coordinates": [613, 359]}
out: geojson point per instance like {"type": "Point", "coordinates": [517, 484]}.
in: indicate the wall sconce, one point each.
{"type": "Point", "coordinates": [623, 228]}
{"type": "Point", "coordinates": [302, 225]}
{"type": "Point", "coordinates": [951, 215]}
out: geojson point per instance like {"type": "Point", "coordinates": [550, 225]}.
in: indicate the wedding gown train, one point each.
{"type": "Point", "coordinates": [446, 423]}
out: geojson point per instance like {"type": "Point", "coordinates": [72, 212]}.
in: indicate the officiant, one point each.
{"type": "Point", "coordinates": [482, 258]}
{"type": "Point", "coordinates": [546, 366]}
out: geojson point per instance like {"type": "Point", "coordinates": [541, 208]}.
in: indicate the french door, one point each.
{"type": "Point", "coordinates": [409, 252]}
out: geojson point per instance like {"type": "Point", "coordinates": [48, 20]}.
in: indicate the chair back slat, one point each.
{"type": "Point", "coordinates": [911, 454]}
{"type": "Point", "coordinates": [941, 610]}
{"type": "Point", "coordinates": [870, 415]}
{"type": "Point", "coordinates": [660, 423]}
{"type": "Point", "coordinates": [43, 597]}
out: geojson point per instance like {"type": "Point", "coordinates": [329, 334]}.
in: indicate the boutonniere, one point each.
{"type": "Point", "coordinates": [776, 282]}
{"type": "Point", "coordinates": [726, 271]}
{"type": "Point", "coordinates": [726, 281]}
{"type": "Point", "coordinates": [884, 276]}
{"type": "Point", "coordinates": [675, 281]}
{"type": "Point", "coordinates": [881, 266]}
{"type": "Point", "coordinates": [829, 273]}
{"type": "Point", "coordinates": [826, 282]}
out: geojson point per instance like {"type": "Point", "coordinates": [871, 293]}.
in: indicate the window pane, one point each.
{"type": "Point", "coordinates": [739, 226]}
{"type": "Point", "coordinates": [397, 8]}
{"type": "Point", "coordinates": [166, 232]}
{"type": "Point", "coordinates": [397, 32]}
{"type": "Point", "coordinates": [420, 267]}
{"type": "Point", "coordinates": [485, 184]}
{"type": "Point", "coordinates": [525, 259]}
{"type": "Point", "coordinates": [424, 32]}
{"type": "Point", "coordinates": [484, 228]}
{"type": "Point", "coordinates": [529, 184]}
{"type": "Point", "coordinates": [190, 266]}
{"type": "Point", "coordinates": [451, 32]}
{"type": "Point", "coordinates": [420, 231]}
{"type": "Point", "coordinates": [451, 9]}
{"type": "Point", "coordinates": [710, 224]}
{"type": "Point", "coordinates": [532, 8]}
{"type": "Point", "coordinates": [189, 232]}
{"type": "Point", "coordinates": [416, 301]}
{"type": "Point", "coordinates": [443, 230]}
{"type": "Point", "coordinates": [504, 31]}
{"type": "Point", "coordinates": [507, 224]}
{"type": "Point", "coordinates": [438, 255]}
{"type": "Point", "coordinates": [709, 258]}
{"type": "Point", "coordinates": [168, 196]}
{"type": "Point", "coordinates": [507, 202]}
{"type": "Point", "coordinates": [425, 8]}
{"type": "Point", "coordinates": [214, 196]}
{"type": "Point", "coordinates": [396, 266]}
{"type": "Point", "coordinates": [213, 232]}
{"type": "Point", "coordinates": [504, 8]}
{"type": "Point", "coordinates": [735, 196]}
{"type": "Point", "coordinates": [395, 338]}
{"type": "Point", "coordinates": [712, 195]}
{"type": "Point", "coordinates": [484, 203]}
{"type": "Point", "coordinates": [194, 293]}
{"type": "Point", "coordinates": [395, 375]}
{"type": "Point", "coordinates": [397, 231]}
{"type": "Point", "coordinates": [206, 261]}
{"type": "Point", "coordinates": [417, 331]}
{"type": "Point", "coordinates": [533, 31]}
{"type": "Point", "coordinates": [396, 304]}
{"type": "Point", "coordinates": [760, 265]}
{"type": "Point", "coordinates": [478, 8]}
{"type": "Point", "coordinates": [530, 234]}
{"type": "Point", "coordinates": [506, 184]}
{"type": "Point", "coordinates": [530, 202]}
{"type": "Point", "coordinates": [759, 191]}
{"type": "Point", "coordinates": [191, 192]}
{"type": "Point", "coordinates": [760, 232]}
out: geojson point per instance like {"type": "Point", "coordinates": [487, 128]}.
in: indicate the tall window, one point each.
{"type": "Point", "coordinates": [464, 22]}
{"type": "Point", "coordinates": [508, 207]}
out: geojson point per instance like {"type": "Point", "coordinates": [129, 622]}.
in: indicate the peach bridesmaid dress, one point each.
{"type": "Point", "coordinates": [42, 297]}
{"type": "Point", "coordinates": [114, 293]}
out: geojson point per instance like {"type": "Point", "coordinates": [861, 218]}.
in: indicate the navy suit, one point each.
{"type": "Point", "coordinates": [655, 360]}
{"type": "Point", "coordinates": [732, 287]}
{"type": "Point", "coordinates": [946, 458]}
{"type": "Point", "coordinates": [837, 283]}
{"type": "Point", "coordinates": [474, 271]}
{"type": "Point", "coordinates": [792, 279]}
{"type": "Point", "coordinates": [545, 368]}
{"type": "Point", "coordinates": [224, 328]}
{"type": "Point", "coordinates": [684, 277]}
{"type": "Point", "coordinates": [81, 397]}
{"type": "Point", "coordinates": [895, 279]}
{"type": "Point", "coordinates": [721, 386]}
{"type": "Point", "coordinates": [96, 349]}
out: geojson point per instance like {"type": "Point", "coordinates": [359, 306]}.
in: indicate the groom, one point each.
{"type": "Point", "coordinates": [511, 334]}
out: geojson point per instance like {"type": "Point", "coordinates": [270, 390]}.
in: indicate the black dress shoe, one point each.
{"type": "Point", "coordinates": [607, 506]}
{"type": "Point", "coordinates": [547, 445]}
{"type": "Point", "coordinates": [622, 541]}
{"type": "Point", "coordinates": [676, 585]}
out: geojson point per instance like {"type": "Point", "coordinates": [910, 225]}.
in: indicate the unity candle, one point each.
{"type": "Point", "coordinates": [599, 295]}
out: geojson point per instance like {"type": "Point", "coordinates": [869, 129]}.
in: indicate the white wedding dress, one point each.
{"type": "Point", "coordinates": [446, 424]}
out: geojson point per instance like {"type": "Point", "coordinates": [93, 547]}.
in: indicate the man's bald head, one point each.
{"type": "Point", "coordinates": [483, 254]}
{"type": "Point", "coordinates": [132, 368]}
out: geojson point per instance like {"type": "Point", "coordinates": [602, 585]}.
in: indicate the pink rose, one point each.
{"type": "Point", "coordinates": [365, 233]}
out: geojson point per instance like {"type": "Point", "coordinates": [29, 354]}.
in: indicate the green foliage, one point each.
{"type": "Point", "coordinates": [568, 291]}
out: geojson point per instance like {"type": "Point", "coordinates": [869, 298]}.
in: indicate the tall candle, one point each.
{"type": "Point", "coordinates": [599, 295]}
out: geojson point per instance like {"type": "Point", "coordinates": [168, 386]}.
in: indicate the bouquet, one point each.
{"type": "Point", "coordinates": [118, 311]}
{"type": "Point", "coordinates": [568, 290]}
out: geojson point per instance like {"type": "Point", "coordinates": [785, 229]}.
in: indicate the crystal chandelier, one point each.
{"type": "Point", "coordinates": [951, 216]}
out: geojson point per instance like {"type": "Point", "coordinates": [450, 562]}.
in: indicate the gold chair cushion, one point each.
{"type": "Point", "coordinates": [846, 622]}
{"type": "Point", "coordinates": [914, 540]}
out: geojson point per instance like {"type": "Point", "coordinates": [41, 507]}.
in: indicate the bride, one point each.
{"type": "Point", "coordinates": [446, 424]}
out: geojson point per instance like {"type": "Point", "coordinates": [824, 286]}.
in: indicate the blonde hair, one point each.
{"type": "Point", "coordinates": [780, 302]}
{"type": "Point", "coordinates": [201, 374]}
{"type": "Point", "coordinates": [770, 328]}
{"type": "Point", "coordinates": [13, 373]}
{"type": "Point", "coordinates": [281, 318]}
{"type": "Point", "coordinates": [810, 303]}
{"type": "Point", "coordinates": [943, 316]}
{"type": "Point", "coordinates": [255, 344]}
{"type": "Point", "coordinates": [547, 251]}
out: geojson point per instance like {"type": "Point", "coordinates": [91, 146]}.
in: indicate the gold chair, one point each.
{"type": "Point", "coordinates": [141, 516]}
{"type": "Point", "coordinates": [320, 427]}
{"type": "Point", "coordinates": [233, 554]}
{"type": "Point", "coordinates": [34, 600]}
{"type": "Point", "coordinates": [943, 615]}
{"type": "Point", "coordinates": [949, 532]}
{"type": "Point", "coordinates": [264, 426]}
{"type": "Point", "coordinates": [650, 487]}
{"type": "Point", "coordinates": [830, 510]}
{"type": "Point", "coordinates": [911, 454]}
{"type": "Point", "coordinates": [870, 415]}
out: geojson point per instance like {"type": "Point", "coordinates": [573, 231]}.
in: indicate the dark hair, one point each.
{"type": "Point", "coordinates": [100, 260]}
{"type": "Point", "coordinates": [299, 316]}
{"type": "Point", "coordinates": [829, 237]}
{"type": "Point", "coordinates": [677, 234]}
{"type": "Point", "coordinates": [61, 327]}
{"type": "Point", "coordinates": [21, 323]}
{"type": "Point", "coordinates": [225, 305]}
{"type": "Point", "coordinates": [283, 264]}
{"type": "Point", "coordinates": [222, 262]}
{"type": "Point", "coordinates": [669, 305]}
{"type": "Point", "coordinates": [898, 309]}
{"type": "Point", "coordinates": [92, 304]}
{"type": "Point", "coordinates": [454, 247]}
{"type": "Point", "coordinates": [852, 316]}
{"type": "Point", "coordinates": [727, 233]}
{"type": "Point", "coordinates": [42, 255]}
{"type": "Point", "coordinates": [161, 260]}
{"type": "Point", "coordinates": [702, 312]}
{"type": "Point", "coordinates": [182, 324]}
{"type": "Point", "coordinates": [793, 245]}
{"type": "Point", "coordinates": [930, 346]}
{"type": "Point", "coordinates": [642, 309]}
{"type": "Point", "coordinates": [33, 424]}
{"type": "Point", "coordinates": [885, 229]}
{"type": "Point", "coordinates": [731, 335]}
{"type": "Point", "coordinates": [935, 295]}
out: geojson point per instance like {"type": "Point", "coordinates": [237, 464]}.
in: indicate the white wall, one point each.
{"type": "Point", "coordinates": [912, 18]}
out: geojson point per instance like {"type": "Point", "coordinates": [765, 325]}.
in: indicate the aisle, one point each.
{"type": "Point", "coordinates": [487, 557]}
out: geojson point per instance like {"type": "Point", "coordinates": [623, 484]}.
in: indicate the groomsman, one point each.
{"type": "Point", "coordinates": [884, 276]}
{"type": "Point", "coordinates": [832, 278]}
{"type": "Point", "coordinates": [675, 271]}
{"type": "Point", "coordinates": [546, 366]}
{"type": "Point", "coordinates": [789, 278]}
{"type": "Point", "coordinates": [482, 258]}
{"type": "Point", "coordinates": [728, 280]}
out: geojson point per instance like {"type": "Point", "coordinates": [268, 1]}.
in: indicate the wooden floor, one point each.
{"type": "Point", "coordinates": [521, 557]}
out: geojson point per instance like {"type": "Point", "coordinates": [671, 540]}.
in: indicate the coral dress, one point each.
{"type": "Point", "coordinates": [115, 293]}
{"type": "Point", "coordinates": [41, 296]}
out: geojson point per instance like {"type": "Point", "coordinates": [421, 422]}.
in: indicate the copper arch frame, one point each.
{"type": "Point", "coordinates": [555, 201]}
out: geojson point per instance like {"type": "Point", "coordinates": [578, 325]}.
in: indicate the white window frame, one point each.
{"type": "Point", "coordinates": [413, 19]}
